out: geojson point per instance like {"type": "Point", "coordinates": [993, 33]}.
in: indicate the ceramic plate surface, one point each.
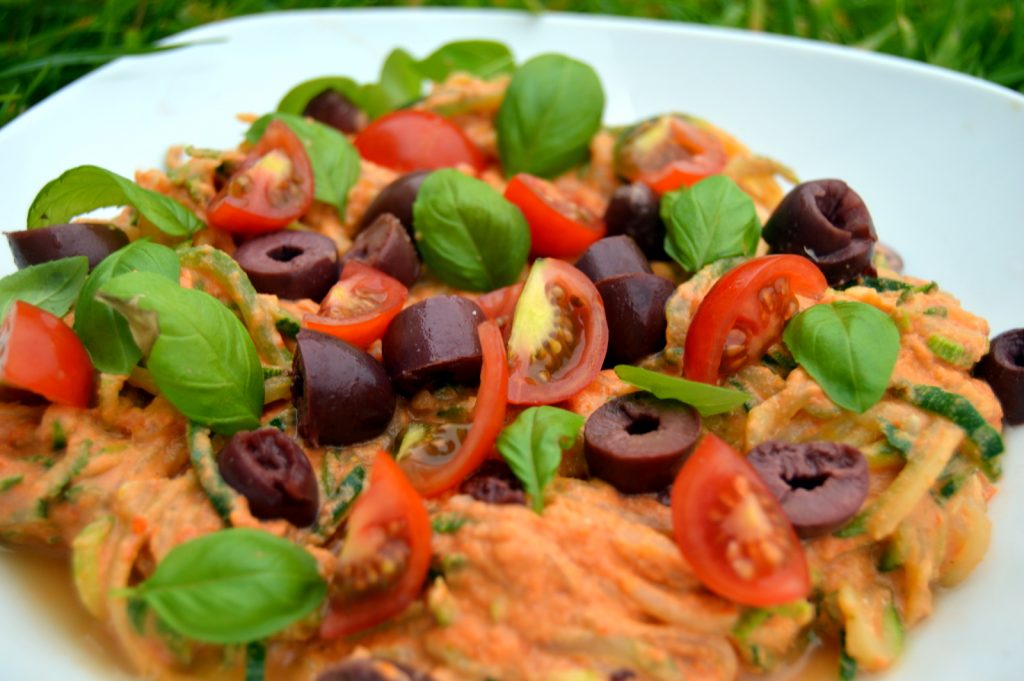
{"type": "Point", "coordinates": [936, 156]}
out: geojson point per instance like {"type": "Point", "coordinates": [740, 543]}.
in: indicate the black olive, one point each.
{"type": "Point", "coordinates": [432, 343]}
{"type": "Point", "coordinates": [494, 483]}
{"type": "Point", "coordinates": [93, 240]}
{"type": "Point", "coordinates": [397, 198]}
{"type": "Point", "coordinates": [342, 395]}
{"type": "Point", "coordinates": [634, 210]}
{"type": "Point", "coordinates": [270, 470]}
{"type": "Point", "coordinates": [820, 485]}
{"type": "Point", "coordinates": [828, 223]}
{"type": "Point", "coordinates": [290, 264]}
{"type": "Point", "coordinates": [369, 669]}
{"type": "Point", "coordinates": [637, 442]}
{"type": "Point", "coordinates": [1003, 368]}
{"type": "Point", "coordinates": [386, 246]}
{"type": "Point", "coordinates": [634, 305]}
{"type": "Point", "coordinates": [610, 257]}
{"type": "Point", "coordinates": [332, 108]}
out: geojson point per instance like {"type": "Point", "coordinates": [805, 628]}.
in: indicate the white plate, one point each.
{"type": "Point", "coordinates": [936, 155]}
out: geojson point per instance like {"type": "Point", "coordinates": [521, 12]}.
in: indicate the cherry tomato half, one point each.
{"type": "Point", "coordinates": [559, 228]}
{"type": "Point", "coordinates": [360, 306]}
{"type": "Point", "coordinates": [559, 335]}
{"type": "Point", "coordinates": [432, 472]}
{"type": "Point", "coordinates": [408, 140]}
{"type": "Point", "coordinates": [668, 152]}
{"type": "Point", "coordinates": [500, 304]}
{"type": "Point", "coordinates": [272, 188]}
{"type": "Point", "coordinates": [745, 312]}
{"type": "Point", "coordinates": [386, 553]}
{"type": "Point", "coordinates": [41, 354]}
{"type": "Point", "coordinates": [733, 532]}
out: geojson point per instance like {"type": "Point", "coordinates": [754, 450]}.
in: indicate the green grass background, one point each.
{"type": "Point", "coordinates": [48, 43]}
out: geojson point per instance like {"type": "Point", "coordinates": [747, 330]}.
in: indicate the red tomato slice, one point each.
{"type": "Point", "coordinates": [669, 152]}
{"type": "Point", "coordinates": [41, 354]}
{"type": "Point", "coordinates": [272, 188]}
{"type": "Point", "coordinates": [409, 140]}
{"type": "Point", "coordinates": [745, 312]}
{"type": "Point", "coordinates": [500, 304]}
{"type": "Point", "coordinates": [360, 306]}
{"type": "Point", "coordinates": [559, 335]}
{"type": "Point", "coordinates": [433, 474]}
{"type": "Point", "coordinates": [389, 528]}
{"type": "Point", "coordinates": [559, 228]}
{"type": "Point", "coordinates": [733, 532]}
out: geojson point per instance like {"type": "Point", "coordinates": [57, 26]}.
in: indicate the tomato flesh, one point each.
{"type": "Point", "coordinates": [359, 308]}
{"type": "Point", "coordinates": [272, 188]}
{"type": "Point", "coordinates": [386, 553]}
{"type": "Point", "coordinates": [500, 304]}
{"type": "Point", "coordinates": [408, 140]}
{"type": "Point", "coordinates": [733, 532]}
{"type": "Point", "coordinates": [745, 312]}
{"type": "Point", "coordinates": [559, 228]}
{"type": "Point", "coordinates": [669, 152]}
{"type": "Point", "coordinates": [41, 354]}
{"type": "Point", "coordinates": [559, 335]}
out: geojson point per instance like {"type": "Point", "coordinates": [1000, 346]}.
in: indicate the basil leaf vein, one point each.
{"type": "Point", "coordinates": [199, 354]}
{"type": "Point", "coordinates": [533, 445]}
{"type": "Point", "coordinates": [849, 348]}
{"type": "Point", "coordinates": [52, 286]}
{"type": "Point", "coordinates": [711, 220]}
{"type": "Point", "coordinates": [234, 586]}
{"type": "Point", "coordinates": [705, 398]}
{"type": "Point", "coordinates": [86, 188]}
{"type": "Point", "coordinates": [481, 58]}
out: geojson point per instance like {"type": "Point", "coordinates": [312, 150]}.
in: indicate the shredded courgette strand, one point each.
{"type": "Point", "coordinates": [334, 510]}
{"type": "Point", "coordinates": [255, 661]}
{"type": "Point", "coordinates": [217, 491]}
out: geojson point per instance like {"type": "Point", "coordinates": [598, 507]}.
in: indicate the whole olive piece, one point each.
{"type": "Point", "coordinates": [93, 240]}
{"type": "Point", "coordinates": [634, 305]}
{"type": "Point", "coordinates": [290, 264]}
{"type": "Point", "coordinates": [494, 483]}
{"type": "Point", "coordinates": [610, 257]}
{"type": "Point", "coordinates": [637, 442]}
{"type": "Point", "coordinates": [386, 246]}
{"type": "Point", "coordinates": [342, 394]}
{"type": "Point", "coordinates": [370, 669]}
{"type": "Point", "coordinates": [332, 108]}
{"type": "Point", "coordinates": [1003, 369]}
{"type": "Point", "coordinates": [432, 343]}
{"type": "Point", "coordinates": [397, 198]}
{"type": "Point", "coordinates": [634, 210]}
{"type": "Point", "coordinates": [273, 473]}
{"type": "Point", "coordinates": [820, 485]}
{"type": "Point", "coordinates": [827, 222]}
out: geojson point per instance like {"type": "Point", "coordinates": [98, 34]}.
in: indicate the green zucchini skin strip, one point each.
{"type": "Point", "coordinates": [334, 510]}
{"type": "Point", "coordinates": [255, 661]}
{"type": "Point", "coordinates": [204, 464]}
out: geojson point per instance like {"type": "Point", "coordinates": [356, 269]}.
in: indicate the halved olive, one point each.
{"type": "Point", "coordinates": [386, 246]}
{"type": "Point", "coordinates": [494, 483]}
{"type": "Point", "coordinates": [611, 257]}
{"type": "Point", "coordinates": [397, 198]}
{"type": "Point", "coordinates": [290, 264]}
{"type": "Point", "coordinates": [371, 669]}
{"type": "Point", "coordinates": [1003, 368]}
{"type": "Point", "coordinates": [332, 108]}
{"type": "Point", "coordinates": [635, 307]}
{"type": "Point", "coordinates": [637, 442]}
{"type": "Point", "coordinates": [635, 210]}
{"type": "Point", "coordinates": [93, 240]}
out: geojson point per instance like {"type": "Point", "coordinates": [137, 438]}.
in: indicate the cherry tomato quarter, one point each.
{"type": "Point", "coordinates": [559, 228]}
{"type": "Point", "coordinates": [359, 308]}
{"type": "Point", "coordinates": [669, 152]}
{"type": "Point", "coordinates": [408, 140]}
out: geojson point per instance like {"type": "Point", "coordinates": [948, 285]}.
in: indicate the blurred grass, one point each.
{"type": "Point", "coordinates": [45, 44]}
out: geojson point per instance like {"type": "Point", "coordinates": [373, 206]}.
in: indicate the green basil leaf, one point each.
{"type": "Point", "coordinates": [199, 354]}
{"type": "Point", "coordinates": [105, 333]}
{"type": "Point", "coordinates": [335, 161]}
{"type": "Point", "coordinates": [849, 348]}
{"type": "Point", "coordinates": [234, 586]}
{"type": "Point", "coordinates": [551, 110]}
{"type": "Point", "coordinates": [711, 220]}
{"type": "Point", "coordinates": [533, 445]}
{"type": "Point", "coordinates": [86, 188]}
{"type": "Point", "coordinates": [400, 79]}
{"type": "Point", "coordinates": [480, 58]}
{"type": "Point", "coordinates": [705, 398]}
{"type": "Point", "coordinates": [52, 286]}
{"type": "Point", "coordinates": [468, 234]}
{"type": "Point", "coordinates": [370, 98]}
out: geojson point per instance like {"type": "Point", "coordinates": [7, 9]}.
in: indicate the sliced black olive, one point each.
{"type": "Point", "coordinates": [397, 198]}
{"type": "Point", "coordinates": [290, 264]}
{"type": "Point", "coordinates": [634, 210]}
{"type": "Point", "coordinates": [494, 483]}
{"type": "Point", "coordinates": [332, 108]}
{"type": "Point", "coordinates": [634, 305]}
{"type": "Point", "coordinates": [342, 395]}
{"type": "Point", "coordinates": [93, 240]}
{"type": "Point", "coordinates": [610, 257]}
{"type": "Point", "coordinates": [273, 473]}
{"type": "Point", "coordinates": [369, 669]}
{"type": "Point", "coordinates": [637, 442]}
{"type": "Point", "coordinates": [820, 485]}
{"type": "Point", "coordinates": [386, 246]}
{"type": "Point", "coordinates": [1003, 368]}
{"type": "Point", "coordinates": [828, 223]}
{"type": "Point", "coordinates": [432, 343]}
